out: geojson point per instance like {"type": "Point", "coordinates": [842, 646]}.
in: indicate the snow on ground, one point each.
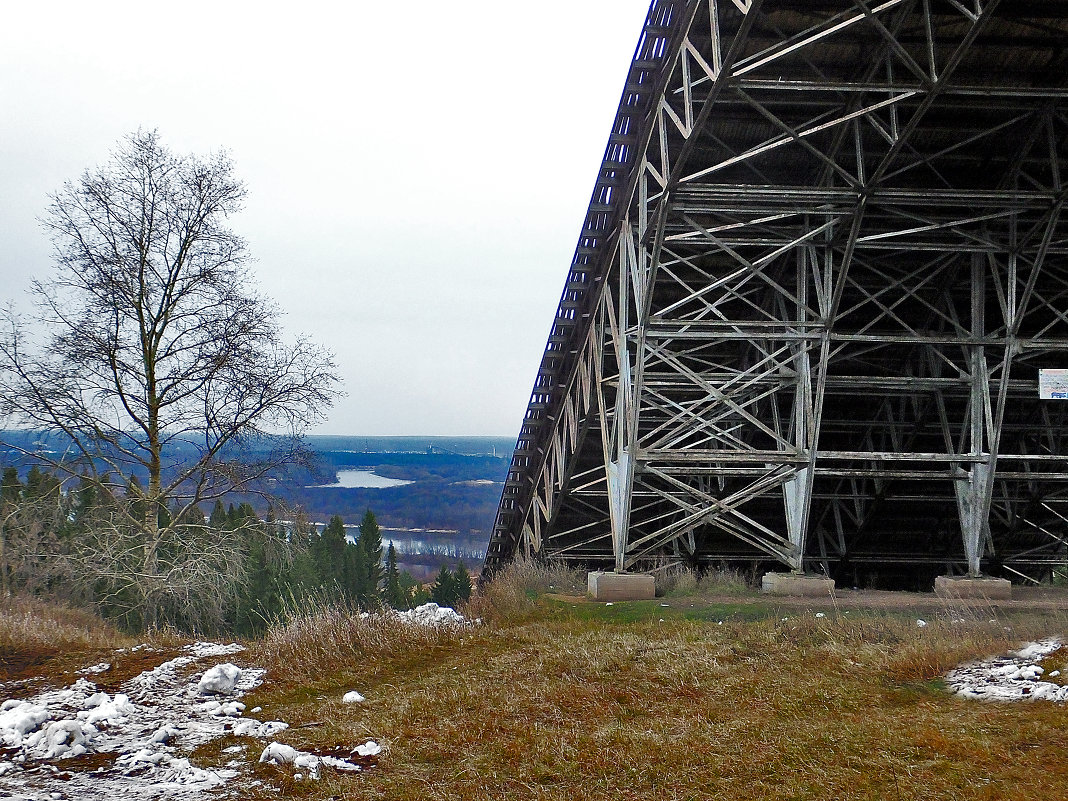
{"type": "Point", "coordinates": [281, 754]}
{"type": "Point", "coordinates": [219, 680]}
{"type": "Point", "coordinates": [132, 741]}
{"type": "Point", "coordinates": [139, 733]}
{"type": "Point", "coordinates": [1015, 677]}
{"type": "Point", "coordinates": [430, 614]}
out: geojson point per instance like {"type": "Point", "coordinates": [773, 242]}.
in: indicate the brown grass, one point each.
{"type": "Point", "coordinates": [681, 581]}
{"type": "Point", "coordinates": [549, 700]}
{"type": "Point", "coordinates": [510, 596]}
{"type": "Point", "coordinates": [542, 704]}
{"type": "Point", "coordinates": [40, 640]}
{"type": "Point", "coordinates": [28, 623]}
{"type": "Point", "coordinates": [43, 641]}
{"type": "Point", "coordinates": [310, 643]}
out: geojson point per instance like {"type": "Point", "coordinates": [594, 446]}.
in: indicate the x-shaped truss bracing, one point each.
{"type": "Point", "coordinates": [823, 265]}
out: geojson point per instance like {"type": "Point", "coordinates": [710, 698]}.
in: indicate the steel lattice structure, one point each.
{"type": "Point", "coordinates": [822, 267]}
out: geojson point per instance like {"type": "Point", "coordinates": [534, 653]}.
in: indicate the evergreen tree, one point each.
{"type": "Point", "coordinates": [414, 593]}
{"type": "Point", "coordinates": [394, 595]}
{"type": "Point", "coordinates": [443, 593]}
{"type": "Point", "coordinates": [34, 480]}
{"type": "Point", "coordinates": [193, 516]}
{"type": "Point", "coordinates": [462, 582]}
{"type": "Point", "coordinates": [218, 516]}
{"type": "Point", "coordinates": [370, 543]}
{"type": "Point", "coordinates": [164, 516]}
{"type": "Point", "coordinates": [359, 589]}
{"type": "Point", "coordinates": [10, 486]}
{"type": "Point", "coordinates": [245, 515]}
{"type": "Point", "coordinates": [328, 551]}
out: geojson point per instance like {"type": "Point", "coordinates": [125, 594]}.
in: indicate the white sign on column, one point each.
{"type": "Point", "coordinates": [1053, 384]}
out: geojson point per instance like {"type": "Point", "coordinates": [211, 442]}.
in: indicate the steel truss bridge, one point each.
{"type": "Point", "coordinates": [823, 265]}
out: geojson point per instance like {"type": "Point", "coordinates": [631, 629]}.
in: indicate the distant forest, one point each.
{"type": "Point", "coordinates": [457, 483]}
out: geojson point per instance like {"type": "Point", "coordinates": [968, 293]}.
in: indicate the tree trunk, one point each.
{"type": "Point", "coordinates": [5, 587]}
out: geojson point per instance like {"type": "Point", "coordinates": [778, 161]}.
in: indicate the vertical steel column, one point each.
{"type": "Point", "coordinates": [620, 463]}
{"type": "Point", "coordinates": [972, 497]}
{"type": "Point", "coordinates": [797, 490]}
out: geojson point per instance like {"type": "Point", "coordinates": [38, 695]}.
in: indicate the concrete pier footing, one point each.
{"type": "Point", "coordinates": [985, 587]}
{"type": "Point", "coordinates": [607, 586]}
{"type": "Point", "coordinates": [797, 584]}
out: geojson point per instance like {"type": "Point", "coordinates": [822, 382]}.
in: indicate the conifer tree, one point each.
{"type": "Point", "coordinates": [10, 486]}
{"type": "Point", "coordinates": [414, 593]}
{"type": "Point", "coordinates": [358, 588]}
{"type": "Point", "coordinates": [370, 542]}
{"type": "Point", "coordinates": [462, 582]}
{"type": "Point", "coordinates": [394, 594]}
{"type": "Point", "coordinates": [329, 552]}
{"type": "Point", "coordinates": [443, 593]}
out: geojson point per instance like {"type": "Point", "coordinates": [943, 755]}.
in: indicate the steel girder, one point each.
{"type": "Point", "coordinates": [823, 264]}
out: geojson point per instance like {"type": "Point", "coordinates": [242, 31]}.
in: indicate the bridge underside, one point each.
{"type": "Point", "coordinates": [822, 269]}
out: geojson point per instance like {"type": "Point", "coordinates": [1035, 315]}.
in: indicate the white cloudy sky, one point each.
{"type": "Point", "coordinates": [417, 171]}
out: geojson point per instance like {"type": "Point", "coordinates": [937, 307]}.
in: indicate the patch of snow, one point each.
{"type": "Point", "coordinates": [430, 614]}
{"type": "Point", "coordinates": [820, 614]}
{"type": "Point", "coordinates": [281, 754]}
{"type": "Point", "coordinates": [229, 709]}
{"type": "Point", "coordinates": [164, 734]}
{"type": "Point", "coordinates": [98, 668]}
{"type": "Point", "coordinates": [353, 697]}
{"type": "Point", "coordinates": [220, 679]}
{"type": "Point", "coordinates": [1015, 677]}
{"type": "Point", "coordinates": [246, 727]}
{"type": "Point", "coordinates": [370, 748]}
{"type": "Point", "coordinates": [202, 649]}
{"type": "Point", "coordinates": [60, 739]}
{"type": "Point", "coordinates": [1037, 650]}
{"type": "Point", "coordinates": [101, 708]}
{"type": "Point", "coordinates": [18, 718]}
{"type": "Point", "coordinates": [157, 713]}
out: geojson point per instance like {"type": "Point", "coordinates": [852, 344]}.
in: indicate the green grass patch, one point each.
{"type": "Point", "coordinates": [628, 612]}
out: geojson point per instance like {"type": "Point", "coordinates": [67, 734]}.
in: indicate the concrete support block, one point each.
{"type": "Point", "coordinates": [987, 587]}
{"type": "Point", "coordinates": [797, 584]}
{"type": "Point", "coordinates": [605, 586]}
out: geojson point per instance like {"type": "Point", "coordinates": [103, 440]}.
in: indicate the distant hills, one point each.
{"type": "Point", "coordinates": [446, 511]}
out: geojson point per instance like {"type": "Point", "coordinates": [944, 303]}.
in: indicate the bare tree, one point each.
{"type": "Point", "coordinates": [152, 354]}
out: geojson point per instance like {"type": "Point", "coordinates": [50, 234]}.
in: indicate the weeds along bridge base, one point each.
{"type": "Point", "coordinates": [820, 276]}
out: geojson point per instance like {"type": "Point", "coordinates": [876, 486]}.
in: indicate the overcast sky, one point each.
{"type": "Point", "coordinates": [418, 172]}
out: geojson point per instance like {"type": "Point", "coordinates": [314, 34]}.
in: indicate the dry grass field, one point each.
{"type": "Point", "coordinates": [554, 698]}
{"type": "Point", "coordinates": [715, 695]}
